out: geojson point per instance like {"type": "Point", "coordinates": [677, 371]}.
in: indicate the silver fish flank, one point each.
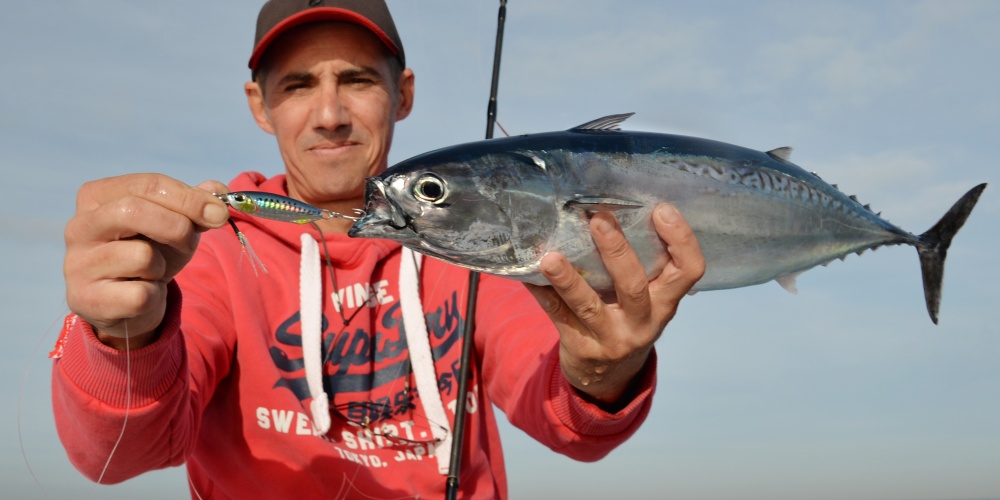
{"type": "Point", "coordinates": [498, 206]}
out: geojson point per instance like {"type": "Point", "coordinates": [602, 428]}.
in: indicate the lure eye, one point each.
{"type": "Point", "coordinates": [239, 198]}
{"type": "Point", "coordinates": [430, 188]}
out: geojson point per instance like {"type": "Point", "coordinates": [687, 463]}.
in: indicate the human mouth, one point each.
{"type": "Point", "coordinates": [332, 148]}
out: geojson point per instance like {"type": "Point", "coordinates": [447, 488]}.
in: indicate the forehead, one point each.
{"type": "Point", "coordinates": [305, 46]}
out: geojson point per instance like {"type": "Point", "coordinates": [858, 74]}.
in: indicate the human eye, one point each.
{"type": "Point", "coordinates": [295, 83]}
{"type": "Point", "coordinates": [360, 79]}
{"type": "Point", "coordinates": [295, 86]}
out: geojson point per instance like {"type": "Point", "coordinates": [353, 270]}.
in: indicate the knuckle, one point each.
{"type": "Point", "coordinates": [181, 231]}
{"type": "Point", "coordinates": [150, 185]}
{"type": "Point", "coordinates": [590, 311]}
{"type": "Point", "coordinates": [635, 290]}
{"type": "Point", "coordinates": [73, 231]}
{"type": "Point", "coordinates": [143, 260]}
{"type": "Point", "coordinates": [169, 192]}
{"type": "Point", "coordinates": [685, 236]}
{"type": "Point", "coordinates": [698, 270]}
{"type": "Point", "coordinates": [136, 298]}
{"type": "Point", "coordinates": [85, 193]}
{"type": "Point", "coordinates": [143, 298]}
{"type": "Point", "coordinates": [90, 192]}
{"type": "Point", "coordinates": [619, 248]}
{"type": "Point", "coordinates": [142, 216]}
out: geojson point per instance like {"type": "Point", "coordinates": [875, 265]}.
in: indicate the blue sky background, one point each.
{"type": "Point", "coordinates": [846, 390]}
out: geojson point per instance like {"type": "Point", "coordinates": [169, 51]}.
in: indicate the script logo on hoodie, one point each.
{"type": "Point", "coordinates": [361, 361]}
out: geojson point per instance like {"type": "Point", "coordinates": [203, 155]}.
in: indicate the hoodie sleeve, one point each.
{"type": "Point", "coordinates": [519, 349]}
{"type": "Point", "coordinates": [100, 393]}
{"type": "Point", "coordinates": [119, 414]}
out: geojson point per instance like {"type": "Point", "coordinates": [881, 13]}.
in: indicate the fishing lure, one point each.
{"type": "Point", "coordinates": [279, 208]}
{"type": "Point", "coordinates": [274, 207]}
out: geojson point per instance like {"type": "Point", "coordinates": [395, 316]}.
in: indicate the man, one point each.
{"type": "Point", "coordinates": [178, 352]}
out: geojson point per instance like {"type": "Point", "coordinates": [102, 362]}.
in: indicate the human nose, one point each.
{"type": "Point", "coordinates": [331, 111]}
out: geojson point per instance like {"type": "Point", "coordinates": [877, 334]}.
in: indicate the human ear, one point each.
{"type": "Point", "coordinates": [406, 89]}
{"type": "Point", "coordinates": [255, 99]}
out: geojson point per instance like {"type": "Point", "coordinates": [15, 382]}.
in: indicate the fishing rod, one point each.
{"type": "Point", "coordinates": [455, 464]}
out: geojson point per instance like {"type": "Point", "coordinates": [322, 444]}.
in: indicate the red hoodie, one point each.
{"type": "Point", "coordinates": [223, 388]}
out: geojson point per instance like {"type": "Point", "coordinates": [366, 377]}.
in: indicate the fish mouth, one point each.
{"type": "Point", "coordinates": [383, 218]}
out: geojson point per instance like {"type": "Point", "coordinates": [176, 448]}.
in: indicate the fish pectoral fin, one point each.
{"type": "Point", "coordinates": [788, 282]}
{"type": "Point", "coordinates": [601, 204]}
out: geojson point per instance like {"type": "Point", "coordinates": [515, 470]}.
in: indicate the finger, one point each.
{"type": "Point", "coordinates": [550, 301]}
{"type": "Point", "coordinates": [626, 270]}
{"type": "Point", "coordinates": [129, 217]}
{"type": "Point", "coordinates": [198, 205]}
{"type": "Point", "coordinates": [579, 297]}
{"type": "Point", "coordinates": [686, 265]}
{"type": "Point", "coordinates": [213, 187]}
{"type": "Point", "coordinates": [125, 259]}
{"type": "Point", "coordinates": [574, 336]}
{"type": "Point", "coordinates": [105, 303]}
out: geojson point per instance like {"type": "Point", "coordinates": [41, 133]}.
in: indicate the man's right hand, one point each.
{"type": "Point", "coordinates": [129, 237]}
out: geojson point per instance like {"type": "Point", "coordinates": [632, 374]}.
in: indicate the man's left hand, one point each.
{"type": "Point", "coordinates": [604, 346]}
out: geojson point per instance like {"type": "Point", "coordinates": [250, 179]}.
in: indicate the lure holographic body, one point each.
{"type": "Point", "coordinates": [277, 207]}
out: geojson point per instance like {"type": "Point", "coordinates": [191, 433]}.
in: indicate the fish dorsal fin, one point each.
{"type": "Point", "coordinates": [783, 154]}
{"type": "Point", "coordinates": [601, 204]}
{"type": "Point", "coordinates": [788, 282]}
{"type": "Point", "coordinates": [608, 123]}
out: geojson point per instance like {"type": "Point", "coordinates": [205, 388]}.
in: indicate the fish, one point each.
{"type": "Point", "coordinates": [498, 206]}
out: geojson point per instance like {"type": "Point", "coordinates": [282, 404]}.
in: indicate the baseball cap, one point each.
{"type": "Point", "coordinates": [279, 16]}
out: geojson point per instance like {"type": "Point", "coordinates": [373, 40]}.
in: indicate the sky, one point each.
{"type": "Point", "coordinates": [845, 390]}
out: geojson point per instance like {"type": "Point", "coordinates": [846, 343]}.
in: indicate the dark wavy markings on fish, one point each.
{"type": "Point", "coordinates": [768, 181]}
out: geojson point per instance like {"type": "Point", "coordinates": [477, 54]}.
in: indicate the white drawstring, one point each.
{"type": "Point", "coordinates": [419, 345]}
{"type": "Point", "coordinates": [417, 340]}
{"type": "Point", "coordinates": [311, 318]}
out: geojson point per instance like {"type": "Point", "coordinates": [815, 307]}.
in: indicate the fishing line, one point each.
{"type": "Point", "coordinates": [128, 407]}
{"type": "Point", "coordinates": [191, 484]}
{"type": "Point", "coordinates": [505, 133]}
{"type": "Point", "coordinates": [20, 403]}
{"type": "Point", "coordinates": [333, 281]}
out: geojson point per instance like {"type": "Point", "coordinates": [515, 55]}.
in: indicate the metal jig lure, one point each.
{"type": "Point", "coordinates": [279, 208]}
{"type": "Point", "coordinates": [274, 207]}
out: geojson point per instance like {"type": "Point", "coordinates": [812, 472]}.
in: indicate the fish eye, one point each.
{"type": "Point", "coordinates": [430, 188]}
{"type": "Point", "coordinates": [239, 198]}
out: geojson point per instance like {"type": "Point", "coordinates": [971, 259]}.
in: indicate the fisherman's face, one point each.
{"type": "Point", "coordinates": [329, 98]}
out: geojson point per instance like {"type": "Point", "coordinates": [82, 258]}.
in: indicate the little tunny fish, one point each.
{"type": "Point", "coordinates": [498, 206]}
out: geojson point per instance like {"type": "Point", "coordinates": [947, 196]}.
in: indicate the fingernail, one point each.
{"type": "Point", "coordinates": [215, 213]}
{"type": "Point", "coordinates": [668, 213]}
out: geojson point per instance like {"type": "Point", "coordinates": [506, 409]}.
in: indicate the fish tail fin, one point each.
{"type": "Point", "coordinates": [933, 247]}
